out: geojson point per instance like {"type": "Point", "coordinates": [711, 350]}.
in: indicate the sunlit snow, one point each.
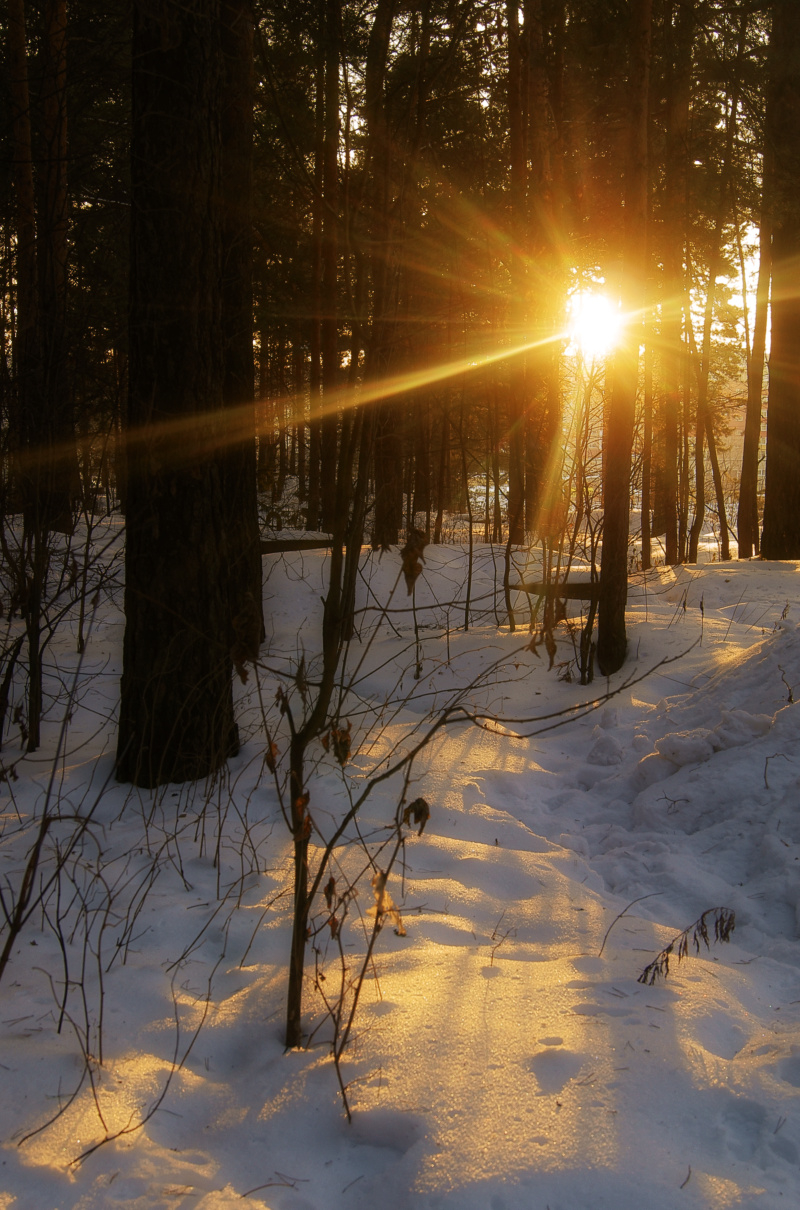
{"type": "Point", "coordinates": [504, 1055]}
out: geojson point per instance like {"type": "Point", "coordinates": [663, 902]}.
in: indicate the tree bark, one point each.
{"type": "Point", "coordinates": [516, 409]}
{"type": "Point", "coordinates": [675, 205]}
{"type": "Point", "coordinates": [243, 576]}
{"type": "Point", "coordinates": [611, 636]}
{"type": "Point", "coordinates": [781, 536]}
{"type": "Point", "coordinates": [26, 362]}
{"type": "Point", "coordinates": [55, 435]}
{"type": "Point", "coordinates": [176, 709]}
{"type": "Point", "coordinates": [388, 481]}
{"type": "Point", "coordinates": [747, 520]}
{"type": "Point", "coordinates": [330, 262]}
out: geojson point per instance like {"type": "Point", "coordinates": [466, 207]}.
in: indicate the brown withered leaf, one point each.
{"type": "Point", "coordinates": [385, 905]}
{"type": "Point", "coordinates": [340, 740]}
{"type": "Point", "coordinates": [271, 758]}
{"type": "Point", "coordinates": [413, 558]}
{"type": "Point", "coordinates": [419, 812]}
{"type": "Point", "coordinates": [329, 891]}
{"type": "Point", "coordinates": [333, 925]}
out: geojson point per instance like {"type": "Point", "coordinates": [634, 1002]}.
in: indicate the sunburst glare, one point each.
{"type": "Point", "coordinates": [594, 325]}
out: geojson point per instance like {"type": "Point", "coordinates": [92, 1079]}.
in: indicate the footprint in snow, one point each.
{"type": "Point", "coordinates": [554, 1068]}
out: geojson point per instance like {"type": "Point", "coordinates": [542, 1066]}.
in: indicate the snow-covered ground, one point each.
{"type": "Point", "coordinates": [503, 1054]}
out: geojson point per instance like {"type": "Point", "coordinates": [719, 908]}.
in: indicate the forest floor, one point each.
{"type": "Point", "coordinates": [504, 1055]}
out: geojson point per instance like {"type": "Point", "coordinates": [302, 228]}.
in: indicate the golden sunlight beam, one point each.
{"type": "Point", "coordinates": [595, 325]}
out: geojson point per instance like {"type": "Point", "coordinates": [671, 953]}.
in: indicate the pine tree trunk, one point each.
{"type": "Point", "coordinates": [176, 710]}
{"type": "Point", "coordinates": [56, 434]}
{"type": "Point", "coordinates": [516, 409]}
{"type": "Point", "coordinates": [330, 263]}
{"type": "Point", "coordinates": [677, 123]}
{"type": "Point", "coordinates": [781, 536]}
{"type": "Point", "coordinates": [611, 636]}
{"type": "Point", "coordinates": [747, 521]}
{"type": "Point", "coordinates": [238, 459]}
{"type": "Point", "coordinates": [315, 335]}
{"type": "Point", "coordinates": [388, 481]}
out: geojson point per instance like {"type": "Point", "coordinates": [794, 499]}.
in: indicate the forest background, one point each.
{"type": "Point", "coordinates": [337, 246]}
{"type": "Point", "coordinates": [278, 269]}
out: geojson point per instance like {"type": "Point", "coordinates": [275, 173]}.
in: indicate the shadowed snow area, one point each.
{"type": "Point", "coordinates": [504, 1056]}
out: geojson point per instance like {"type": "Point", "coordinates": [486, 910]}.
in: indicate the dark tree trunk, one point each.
{"type": "Point", "coordinates": [315, 334]}
{"type": "Point", "coordinates": [176, 710]}
{"type": "Point", "coordinates": [781, 536]}
{"type": "Point", "coordinates": [747, 520]}
{"type": "Point", "coordinates": [243, 575]}
{"type": "Point", "coordinates": [781, 539]}
{"type": "Point", "coordinates": [647, 451]}
{"type": "Point", "coordinates": [677, 125]}
{"type": "Point", "coordinates": [517, 311]}
{"type": "Point", "coordinates": [25, 351]}
{"type": "Point", "coordinates": [330, 263]}
{"type": "Point", "coordinates": [56, 435]}
{"type": "Point", "coordinates": [388, 468]}
{"type": "Point", "coordinates": [611, 636]}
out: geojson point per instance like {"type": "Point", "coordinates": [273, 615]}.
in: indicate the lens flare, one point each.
{"type": "Point", "coordinates": [595, 325]}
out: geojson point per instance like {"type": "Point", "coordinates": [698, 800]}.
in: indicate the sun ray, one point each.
{"type": "Point", "coordinates": [595, 325]}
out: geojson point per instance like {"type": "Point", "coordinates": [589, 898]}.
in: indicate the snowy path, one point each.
{"type": "Point", "coordinates": [499, 1062]}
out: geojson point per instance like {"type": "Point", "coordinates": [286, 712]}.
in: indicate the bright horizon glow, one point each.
{"type": "Point", "coordinates": [594, 325]}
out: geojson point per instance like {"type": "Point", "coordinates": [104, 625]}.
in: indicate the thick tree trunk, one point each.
{"type": "Point", "coordinates": [781, 536]}
{"type": "Point", "coordinates": [611, 636]}
{"type": "Point", "coordinates": [176, 710]}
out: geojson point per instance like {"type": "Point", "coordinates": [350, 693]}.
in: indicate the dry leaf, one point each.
{"type": "Point", "coordinates": [419, 812]}
{"type": "Point", "coordinates": [385, 905]}
{"type": "Point", "coordinates": [413, 557]}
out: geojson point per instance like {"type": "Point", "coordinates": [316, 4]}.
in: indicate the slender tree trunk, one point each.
{"type": "Point", "coordinates": [238, 461]}
{"type": "Point", "coordinates": [677, 125]}
{"type": "Point", "coordinates": [647, 450]}
{"type": "Point", "coordinates": [27, 386]}
{"type": "Point", "coordinates": [699, 485]}
{"type": "Point", "coordinates": [388, 481]}
{"type": "Point", "coordinates": [27, 370]}
{"type": "Point", "coordinates": [516, 409]}
{"type": "Point", "coordinates": [56, 434]}
{"type": "Point", "coordinates": [330, 262]}
{"type": "Point", "coordinates": [315, 342]}
{"type": "Point", "coordinates": [748, 530]}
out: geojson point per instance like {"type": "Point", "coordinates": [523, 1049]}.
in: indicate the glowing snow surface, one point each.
{"type": "Point", "coordinates": [499, 1060]}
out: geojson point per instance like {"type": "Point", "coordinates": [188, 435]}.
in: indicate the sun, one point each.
{"type": "Point", "coordinates": [594, 325]}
